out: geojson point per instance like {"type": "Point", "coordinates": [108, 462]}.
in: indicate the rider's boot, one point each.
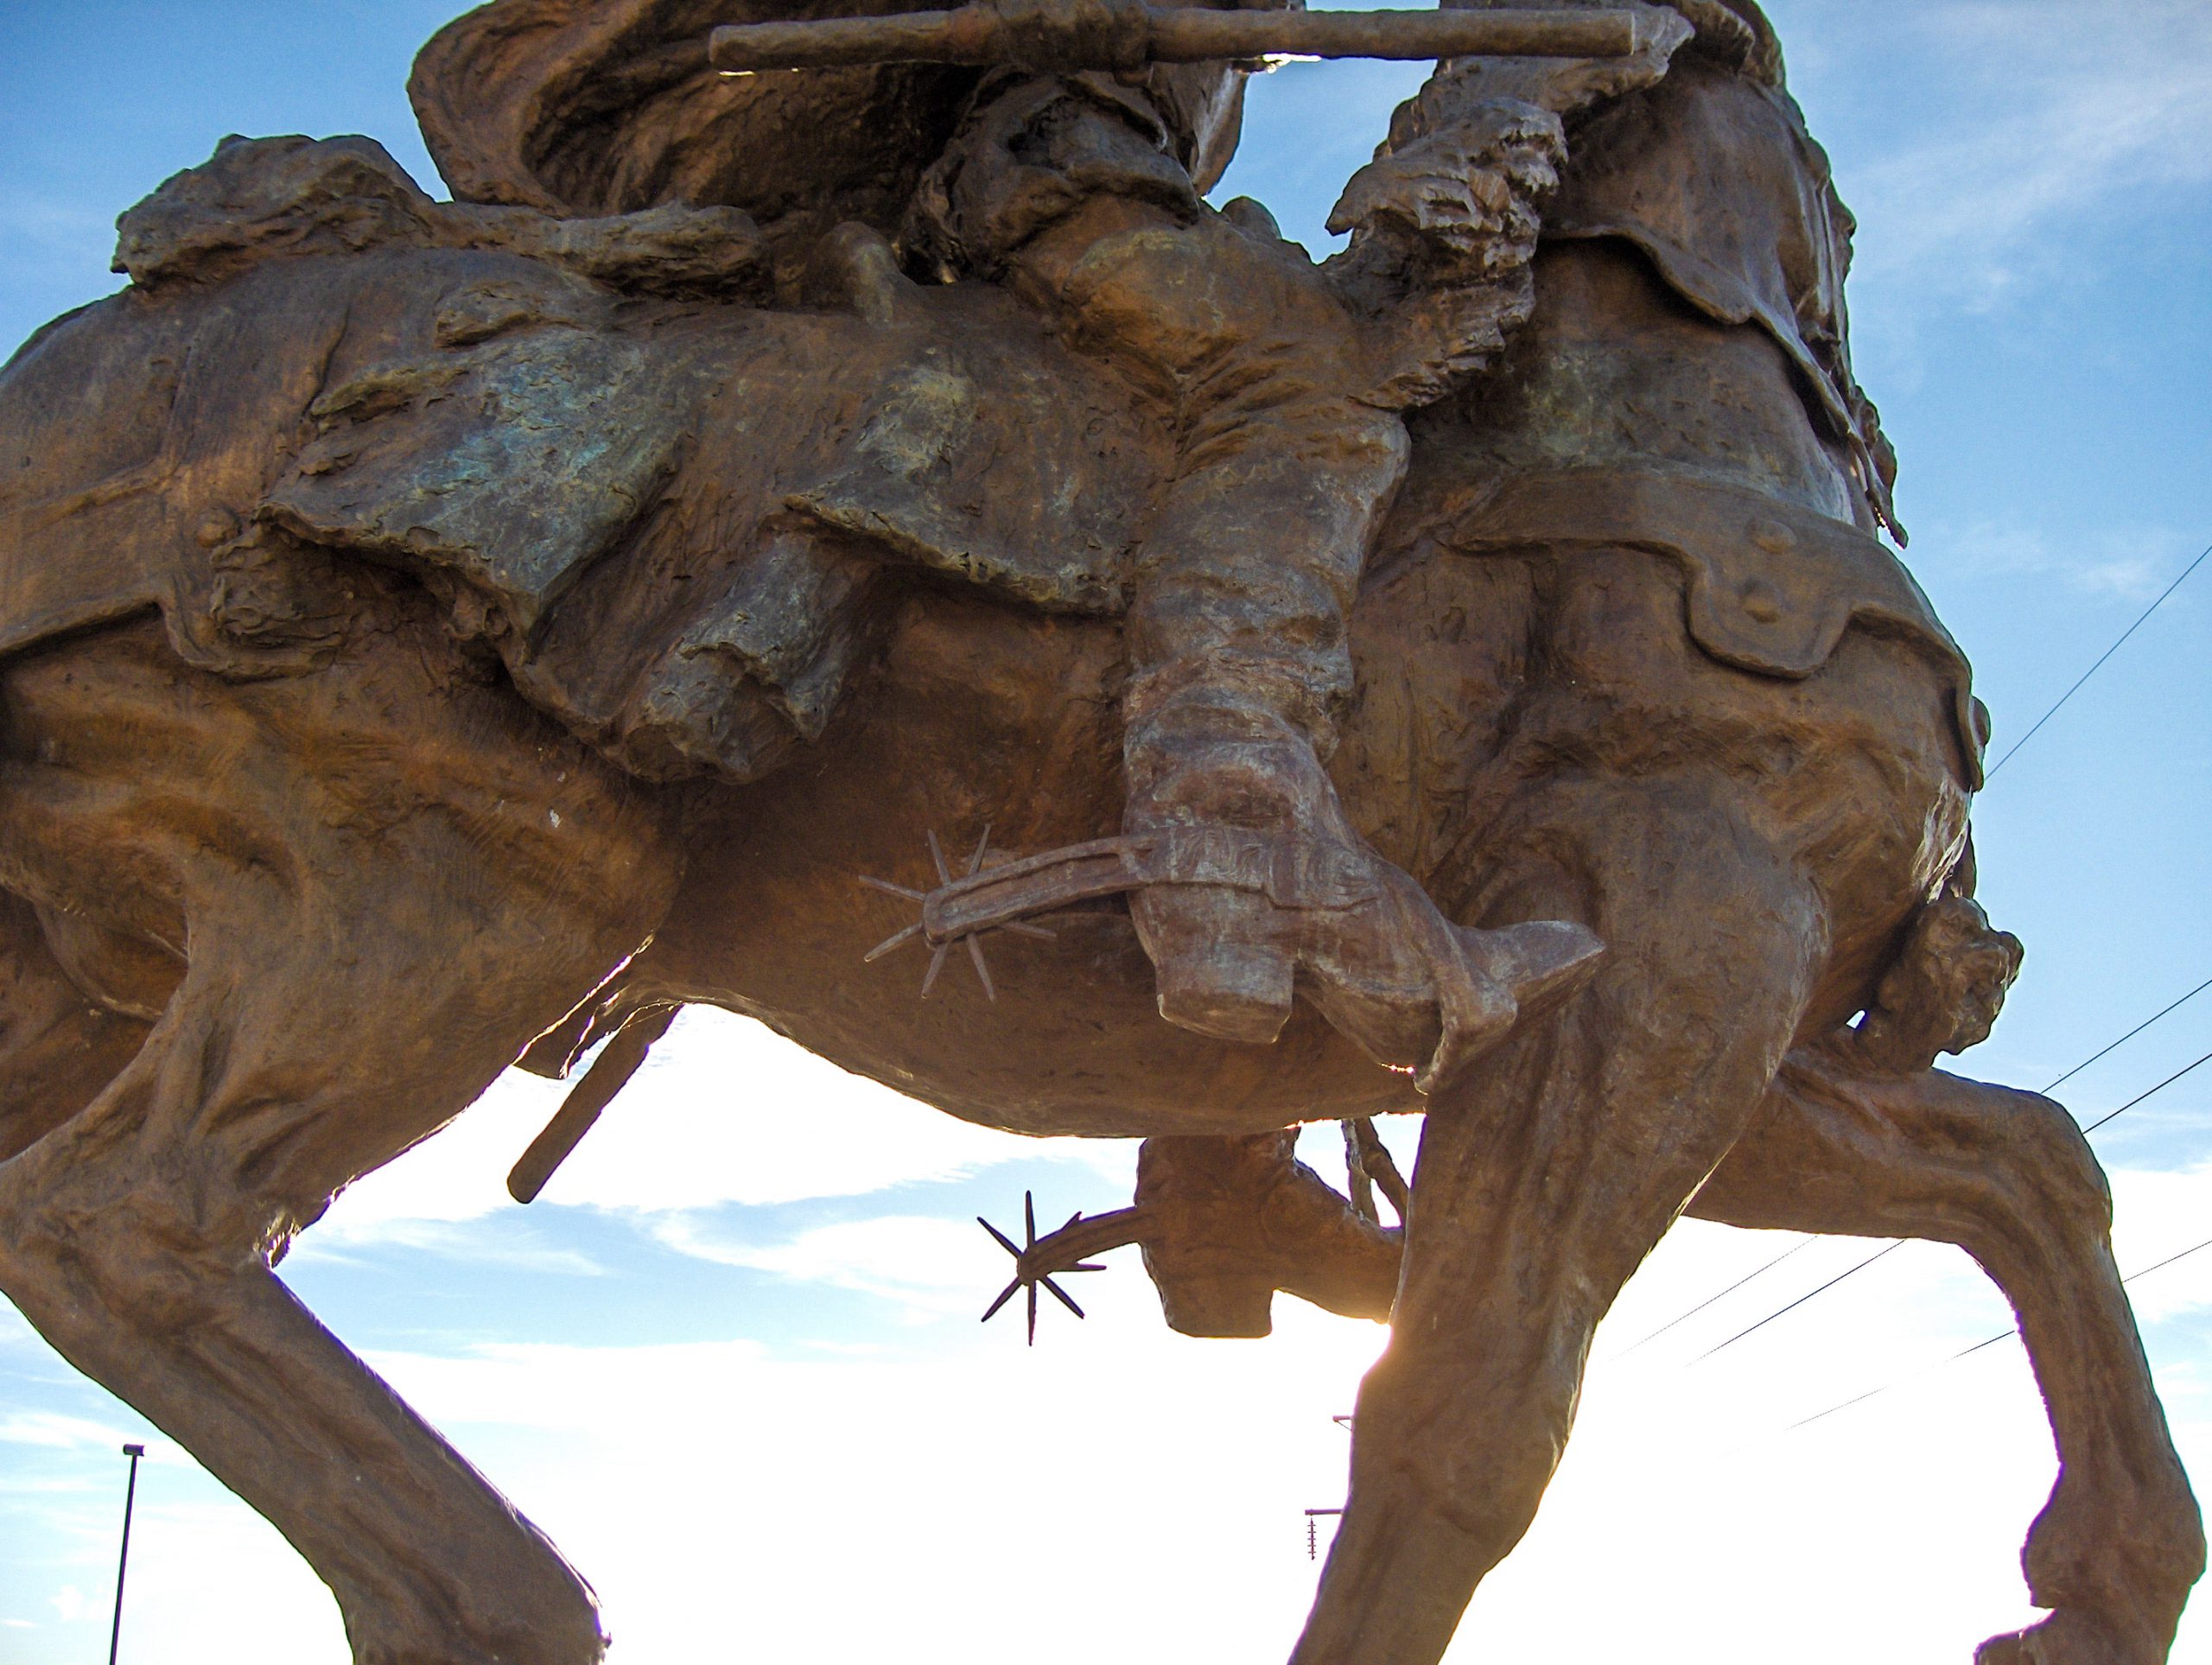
{"type": "Point", "coordinates": [1240, 669]}
{"type": "Point", "coordinates": [1230, 1220]}
{"type": "Point", "coordinates": [1268, 891]}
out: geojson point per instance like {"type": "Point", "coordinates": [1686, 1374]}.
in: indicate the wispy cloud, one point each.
{"type": "Point", "coordinates": [936, 1265]}
{"type": "Point", "coordinates": [2132, 562]}
{"type": "Point", "coordinates": [15, 1330]}
{"type": "Point", "coordinates": [2052, 115]}
{"type": "Point", "coordinates": [31, 224]}
{"type": "Point", "coordinates": [576, 1387]}
{"type": "Point", "coordinates": [51, 1429]}
{"type": "Point", "coordinates": [456, 1240]}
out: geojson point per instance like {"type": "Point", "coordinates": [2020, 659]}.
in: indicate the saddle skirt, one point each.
{"type": "Point", "coordinates": [675, 532]}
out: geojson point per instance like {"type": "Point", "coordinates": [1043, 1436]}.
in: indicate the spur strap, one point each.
{"type": "Point", "coordinates": [1292, 873]}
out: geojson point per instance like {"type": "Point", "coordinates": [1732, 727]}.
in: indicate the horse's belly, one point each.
{"type": "Point", "coordinates": [984, 716]}
{"type": "Point", "coordinates": [1073, 1043]}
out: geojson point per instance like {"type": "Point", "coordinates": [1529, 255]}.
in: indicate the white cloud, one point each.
{"type": "Point", "coordinates": [213, 1583]}
{"type": "Point", "coordinates": [2131, 562]}
{"type": "Point", "coordinates": [69, 1602]}
{"type": "Point", "coordinates": [724, 1111]}
{"type": "Point", "coordinates": [2155, 1215]}
{"type": "Point", "coordinates": [985, 1500]}
{"type": "Point", "coordinates": [353, 1241]}
{"type": "Point", "coordinates": [1120, 1485]}
{"type": "Point", "coordinates": [575, 1388]}
{"type": "Point", "coordinates": [1121, 1489]}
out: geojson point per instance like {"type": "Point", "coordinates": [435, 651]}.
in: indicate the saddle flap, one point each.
{"type": "Point", "coordinates": [512, 465]}
{"type": "Point", "coordinates": [1770, 585]}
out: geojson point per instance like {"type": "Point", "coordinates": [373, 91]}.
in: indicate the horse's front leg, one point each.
{"type": "Point", "coordinates": [136, 1243]}
{"type": "Point", "coordinates": [2006, 1176]}
{"type": "Point", "coordinates": [1544, 1179]}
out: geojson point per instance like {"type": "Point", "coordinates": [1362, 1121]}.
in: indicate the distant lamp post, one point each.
{"type": "Point", "coordinates": [123, 1565]}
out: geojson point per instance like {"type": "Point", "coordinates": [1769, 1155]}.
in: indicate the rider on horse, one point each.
{"type": "Point", "coordinates": [1281, 384]}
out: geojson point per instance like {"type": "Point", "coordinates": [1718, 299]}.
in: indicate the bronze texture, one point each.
{"type": "Point", "coordinates": [1464, 675]}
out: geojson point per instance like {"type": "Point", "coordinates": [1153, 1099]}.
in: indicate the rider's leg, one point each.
{"type": "Point", "coordinates": [1239, 665]}
{"type": "Point", "coordinates": [2007, 1176]}
{"type": "Point", "coordinates": [391, 878]}
{"type": "Point", "coordinates": [1548, 1173]}
{"type": "Point", "coordinates": [1239, 671]}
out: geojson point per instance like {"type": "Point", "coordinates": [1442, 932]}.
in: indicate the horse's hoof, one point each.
{"type": "Point", "coordinates": [2114, 1568]}
{"type": "Point", "coordinates": [2068, 1637]}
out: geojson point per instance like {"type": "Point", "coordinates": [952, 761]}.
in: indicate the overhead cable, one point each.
{"type": "Point", "coordinates": [1964, 1353]}
{"type": "Point", "coordinates": [1802, 1242]}
{"type": "Point", "coordinates": [2141, 1096]}
{"type": "Point", "coordinates": [1891, 1249]}
{"type": "Point", "coordinates": [1989, 773]}
{"type": "Point", "coordinates": [2129, 1036]}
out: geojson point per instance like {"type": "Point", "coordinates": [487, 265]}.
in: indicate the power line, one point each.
{"type": "Point", "coordinates": [1806, 1241]}
{"type": "Point", "coordinates": [2129, 1036]}
{"type": "Point", "coordinates": [2141, 1096]}
{"type": "Point", "coordinates": [1989, 773]}
{"type": "Point", "coordinates": [1892, 1250]}
{"type": "Point", "coordinates": [2168, 1260]}
{"type": "Point", "coordinates": [1876, 1393]}
{"type": "Point", "coordinates": [1965, 1352]}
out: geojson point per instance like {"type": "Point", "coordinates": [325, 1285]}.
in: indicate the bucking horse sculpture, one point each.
{"type": "Point", "coordinates": [1464, 674]}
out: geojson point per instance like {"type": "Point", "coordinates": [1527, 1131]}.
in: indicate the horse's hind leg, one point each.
{"type": "Point", "coordinates": [2006, 1176]}
{"type": "Point", "coordinates": [375, 930]}
{"type": "Point", "coordinates": [58, 1047]}
{"type": "Point", "coordinates": [1543, 1181]}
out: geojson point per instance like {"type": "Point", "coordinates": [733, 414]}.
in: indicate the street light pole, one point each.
{"type": "Point", "coordinates": [122, 1565]}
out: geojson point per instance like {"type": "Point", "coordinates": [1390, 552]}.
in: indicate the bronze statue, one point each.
{"type": "Point", "coordinates": [439, 635]}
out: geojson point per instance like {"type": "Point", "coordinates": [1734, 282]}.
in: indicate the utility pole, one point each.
{"type": "Point", "coordinates": [122, 1565]}
{"type": "Point", "coordinates": [1313, 1521]}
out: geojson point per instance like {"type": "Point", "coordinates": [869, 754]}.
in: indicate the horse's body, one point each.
{"type": "Point", "coordinates": [316, 910]}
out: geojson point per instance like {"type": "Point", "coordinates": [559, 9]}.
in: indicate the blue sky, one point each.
{"type": "Point", "coordinates": [731, 1362]}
